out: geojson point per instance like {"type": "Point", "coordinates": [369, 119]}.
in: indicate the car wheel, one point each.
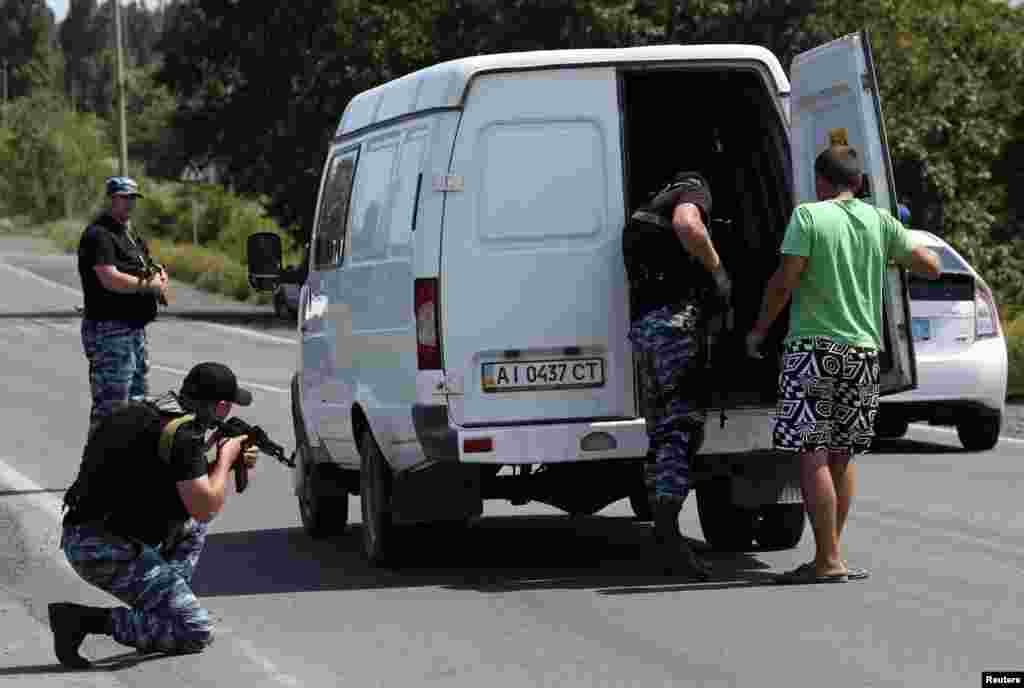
{"type": "Point", "coordinates": [321, 515]}
{"type": "Point", "coordinates": [980, 432]}
{"type": "Point", "coordinates": [726, 526]}
{"type": "Point", "coordinates": [888, 427]}
{"type": "Point", "coordinates": [779, 526]}
{"type": "Point", "coordinates": [375, 499]}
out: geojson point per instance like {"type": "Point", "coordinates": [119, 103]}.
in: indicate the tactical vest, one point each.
{"type": "Point", "coordinates": [660, 271]}
{"type": "Point", "coordinates": [93, 493]}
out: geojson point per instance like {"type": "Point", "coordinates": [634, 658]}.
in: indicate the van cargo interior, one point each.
{"type": "Point", "coordinates": [723, 123]}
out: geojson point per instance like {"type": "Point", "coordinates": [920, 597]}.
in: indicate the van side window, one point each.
{"type": "Point", "coordinates": [407, 185]}
{"type": "Point", "coordinates": [330, 229]}
{"type": "Point", "coordinates": [368, 240]}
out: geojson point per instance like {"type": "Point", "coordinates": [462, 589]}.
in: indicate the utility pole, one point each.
{"type": "Point", "coordinates": [123, 137]}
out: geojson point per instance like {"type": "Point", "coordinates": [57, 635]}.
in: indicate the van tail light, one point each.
{"type": "Point", "coordinates": [428, 340]}
{"type": "Point", "coordinates": [986, 315]}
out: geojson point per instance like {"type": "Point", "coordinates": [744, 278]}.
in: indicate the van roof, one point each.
{"type": "Point", "coordinates": [444, 85]}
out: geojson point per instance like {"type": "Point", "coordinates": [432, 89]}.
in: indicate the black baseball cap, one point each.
{"type": "Point", "coordinates": [214, 382]}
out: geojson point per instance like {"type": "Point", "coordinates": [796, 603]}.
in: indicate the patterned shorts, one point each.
{"type": "Point", "coordinates": [828, 397]}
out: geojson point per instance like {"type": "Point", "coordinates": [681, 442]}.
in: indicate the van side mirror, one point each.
{"type": "Point", "coordinates": [263, 253]}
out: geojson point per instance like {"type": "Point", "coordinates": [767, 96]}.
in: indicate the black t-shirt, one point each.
{"type": "Point", "coordinates": [135, 487]}
{"type": "Point", "coordinates": [107, 242]}
{"type": "Point", "coordinates": [661, 272]}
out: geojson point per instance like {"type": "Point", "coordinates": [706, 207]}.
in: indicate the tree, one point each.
{"type": "Point", "coordinates": [51, 161]}
{"type": "Point", "coordinates": [951, 76]}
{"type": "Point", "coordinates": [26, 34]}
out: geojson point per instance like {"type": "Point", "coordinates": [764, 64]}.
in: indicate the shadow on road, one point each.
{"type": "Point", "coordinates": [907, 446]}
{"type": "Point", "coordinates": [609, 555]}
{"type": "Point", "coordinates": [126, 660]}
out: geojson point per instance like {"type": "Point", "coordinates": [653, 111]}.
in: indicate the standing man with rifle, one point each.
{"type": "Point", "coordinates": [122, 287]}
{"type": "Point", "coordinates": [139, 511]}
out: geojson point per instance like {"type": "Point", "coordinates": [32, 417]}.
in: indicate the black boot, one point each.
{"type": "Point", "coordinates": [675, 554]}
{"type": "Point", "coordinates": [70, 624]}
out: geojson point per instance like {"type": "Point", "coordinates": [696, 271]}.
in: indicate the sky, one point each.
{"type": "Point", "coordinates": [60, 7]}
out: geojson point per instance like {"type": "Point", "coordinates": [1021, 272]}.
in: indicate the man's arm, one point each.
{"type": "Point", "coordinates": [203, 497]}
{"type": "Point", "coordinates": [690, 228]}
{"type": "Point", "coordinates": [924, 262]}
{"type": "Point", "coordinates": [778, 291]}
{"type": "Point", "coordinates": [114, 280]}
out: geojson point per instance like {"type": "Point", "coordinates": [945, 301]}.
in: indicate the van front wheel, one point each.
{"type": "Point", "coordinates": [322, 514]}
{"type": "Point", "coordinates": [375, 499]}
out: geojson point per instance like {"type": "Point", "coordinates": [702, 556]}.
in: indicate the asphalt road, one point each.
{"type": "Point", "coordinates": [524, 597]}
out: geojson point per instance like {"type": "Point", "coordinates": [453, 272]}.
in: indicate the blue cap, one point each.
{"type": "Point", "coordinates": [904, 212]}
{"type": "Point", "coordinates": [122, 186]}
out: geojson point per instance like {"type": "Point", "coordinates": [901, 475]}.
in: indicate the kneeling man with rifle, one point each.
{"type": "Point", "coordinates": [139, 510]}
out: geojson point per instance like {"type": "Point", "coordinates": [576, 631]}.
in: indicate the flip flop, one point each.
{"type": "Point", "coordinates": [805, 575]}
{"type": "Point", "coordinates": [855, 573]}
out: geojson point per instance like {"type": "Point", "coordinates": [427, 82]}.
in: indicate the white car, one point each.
{"type": "Point", "coordinates": [961, 355]}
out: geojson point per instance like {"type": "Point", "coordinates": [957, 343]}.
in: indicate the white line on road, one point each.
{"type": "Point", "coordinates": [246, 383]}
{"type": "Point", "coordinates": [31, 275]}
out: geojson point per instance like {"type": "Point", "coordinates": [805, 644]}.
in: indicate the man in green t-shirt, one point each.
{"type": "Point", "coordinates": [834, 257]}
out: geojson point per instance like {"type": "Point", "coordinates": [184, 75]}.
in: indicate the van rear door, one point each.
{"type": "Point", "coordinates": [533, 293]}
{"type": "Point", "coordinates": [835, 93]}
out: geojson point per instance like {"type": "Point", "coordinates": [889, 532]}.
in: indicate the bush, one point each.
{"type": "Point", "coordinates": [1015, 353]}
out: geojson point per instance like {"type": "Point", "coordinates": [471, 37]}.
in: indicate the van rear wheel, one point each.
{"type": "Point", "coordinates": [779, 526]}
{"type": "Point", "coordinates": [375, 499]}
{"type": "Point", "coordinates": [726, 526]}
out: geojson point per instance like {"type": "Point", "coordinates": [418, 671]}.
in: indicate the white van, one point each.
{"type": "Point", "coordinates": [463, 326]}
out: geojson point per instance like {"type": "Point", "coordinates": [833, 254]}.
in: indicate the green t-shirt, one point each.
{"type": "Point", "coordinates": [847, 245]}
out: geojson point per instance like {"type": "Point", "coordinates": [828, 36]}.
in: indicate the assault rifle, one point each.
{"type": "Point", "coordinates": [149, 271]}
{"type": "Point", "coordinates": [150, 268]}
{"type": "Point", "coordinates": [235, 427]}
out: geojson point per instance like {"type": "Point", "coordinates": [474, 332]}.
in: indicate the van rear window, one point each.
{"type": "Point", "coordinates": [542, 180]}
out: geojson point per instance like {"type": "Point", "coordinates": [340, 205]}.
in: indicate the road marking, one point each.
{"type": "Point", "coordinates": [246, 383]}
{"type": "Point", "coordinates": [31, 275]}
{"type": "Point", "coordinates": [269, 668]}
{"type": "Point", "coordinates": [216, 326]}
{"type": "Point", "coordinates": [34, 494]}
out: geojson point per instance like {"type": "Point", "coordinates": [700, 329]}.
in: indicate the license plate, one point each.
{"type": "Point", "coordinates": [922, 329]}
{"type": "Point", "coordinates": [532, 375]}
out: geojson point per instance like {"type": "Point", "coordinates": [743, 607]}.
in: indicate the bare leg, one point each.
{"type": "Point", "coordinates": [820, 502]}
{"type": "Point", "coordinates": [844, 477]}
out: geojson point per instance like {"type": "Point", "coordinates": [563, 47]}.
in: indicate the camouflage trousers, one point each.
{"type": "Point", "coordinates": [163, 613]}
{"type": "Point", "coordinates": [671, 346]}
{"type": "Point", "coordinates": [118, 365]}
